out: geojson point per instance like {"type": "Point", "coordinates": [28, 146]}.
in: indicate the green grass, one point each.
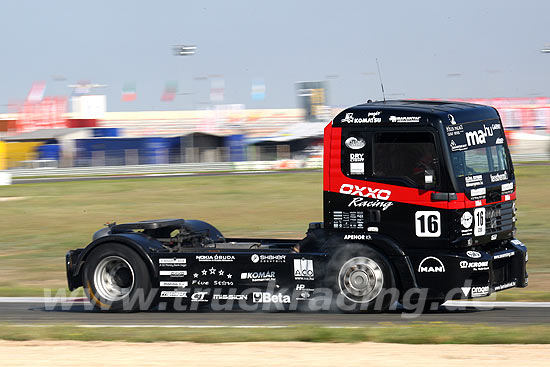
{"type": "Point", "coordinates": [387, 333]}
{"type": "Point", "coordinates": [51, 218]}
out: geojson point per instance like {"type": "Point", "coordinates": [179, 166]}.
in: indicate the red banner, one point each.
{"type": "Point", "coordinates": [49, 113]}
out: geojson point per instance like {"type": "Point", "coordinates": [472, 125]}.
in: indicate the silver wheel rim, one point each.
{"type": "Point", "coordinates": [113, 278]}
{"type": "Point", "coordinates": [360, 279]}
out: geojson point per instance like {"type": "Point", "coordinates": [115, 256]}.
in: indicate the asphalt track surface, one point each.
{"type": "Point", "coordinates": [39, 312]}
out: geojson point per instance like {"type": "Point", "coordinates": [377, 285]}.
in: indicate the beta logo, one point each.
{"type": "Point", "coordinates": [266, 297]}
{"type": "Point", "coordinates": [365, 191]}
{"type": "Point", "coordinates": [431, 264]}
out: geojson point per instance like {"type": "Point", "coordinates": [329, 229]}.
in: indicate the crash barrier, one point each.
{"type": "Point", "coordinates": [167, 168]}
{"type": "Point", "coordinates": [314, 163]}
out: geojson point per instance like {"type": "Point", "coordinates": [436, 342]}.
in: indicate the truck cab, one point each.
{"type": "Point", "coordinates": [434, 181]}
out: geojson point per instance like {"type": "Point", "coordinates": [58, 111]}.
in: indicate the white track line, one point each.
{"type": "Point", "coordinates": [83, 300]}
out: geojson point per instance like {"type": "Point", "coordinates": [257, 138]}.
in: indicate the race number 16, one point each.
{"type": "Point", "coordinates": [479, 222]}
{"type": "Point", "coordinates": [427, 223]}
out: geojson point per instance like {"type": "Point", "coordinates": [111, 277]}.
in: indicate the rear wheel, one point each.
{"type": "Point", "coordinates": [361, 278]}
{"type": "Point", "coordinates": [117, 279]}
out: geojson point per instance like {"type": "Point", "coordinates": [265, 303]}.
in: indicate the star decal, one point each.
{"type": "Point", "coordinates": [204, 272]}
{"type": "Point", "coordinates": [212, 270]}
{"type": "Point", "coordinates": [220, 272]}
{"type": "Point", "coordinates": [196, 275]}
{"type": "Point", "coordinates": [229, 276]}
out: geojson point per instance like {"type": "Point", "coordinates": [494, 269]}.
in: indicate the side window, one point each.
{"type": "Point", "coordinates": [405, 156]}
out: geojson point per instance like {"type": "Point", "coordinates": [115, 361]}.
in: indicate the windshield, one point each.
{"type": "Point", "coordinates": [479, 161]}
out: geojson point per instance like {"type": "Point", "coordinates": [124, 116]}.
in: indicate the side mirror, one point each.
{"type": "Point", "coordinates": [429, 179]}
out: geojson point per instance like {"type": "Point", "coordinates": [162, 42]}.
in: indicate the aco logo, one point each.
{"type": "Point", "coordinates": [431, 264]}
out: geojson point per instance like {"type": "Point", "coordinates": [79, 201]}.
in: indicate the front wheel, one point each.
{"type": "Point", "coordinates": [361, 278]}
{"type": "Point", "coordinates": [117, 279]}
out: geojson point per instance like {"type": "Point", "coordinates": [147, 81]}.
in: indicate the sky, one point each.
{"type": "Point", "coordinates": [426, 49]}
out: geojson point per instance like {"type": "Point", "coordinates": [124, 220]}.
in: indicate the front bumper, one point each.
{"type": "Point", "coordinates": [71, 265]}
{"type": "Point", "coordinates": [460, 274]}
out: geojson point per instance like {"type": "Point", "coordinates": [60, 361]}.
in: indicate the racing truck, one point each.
{"type": "Point", "coordinates": [417, 195]}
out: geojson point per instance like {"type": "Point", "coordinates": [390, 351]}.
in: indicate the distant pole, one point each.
{"type": "Point", "coordinates": [185, 50]}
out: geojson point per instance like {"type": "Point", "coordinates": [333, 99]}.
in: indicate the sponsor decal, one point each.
{"type": "Point", "coordinates": [372, 229]}
{"type": "Point", "coordinates": [255, 258]}
{"type": "Point", "coordinates": [454, 130]}
{"type": "Point", "coordinates": [473, 181]}
{"type": "Point", "coordinates": [303, 269]}
{"type": "Point", "coordinates": [230, 297]}
{"type": "Point", "coordinates": [215, 258]}
{"type": "Point", "coordinates": [478, 192]}
{"type": "Point", "coordinates": [176, 261]}
{"type": "Point", "coordinates": [503, 255]}
{"type": "Point", "coordinates": [174, 284]}
{"type": "Point", "coordinates": [259, 276]}
{"type": "Point", "coordinates": [305, 293]}
{"type": "Point", "coordinates": [358, 237]}
{"type": "Point", "coordinates": [500, 141]}
{"type": "Point", "coordinates": [478, 137]}
{"type": "Point", "coordinates": [173, 273]}
{"type": "Point", "coordinates": [212, 276]}
{"type": "Point", "coordinates": [480, 291]}
{"type": "Point", "coordinates": [457, 147]}
{"type": "Point", "coordinates": [517, 242]}
{"type": "Point", "coordinates": [451, 119]}
{"type": "Point", "coordinates": [348, 220]}
{"type": "Point", "coordinates": [494, 236]}
{"type": "Point", "coordinates": [355, 143]}
{"type": "Point", "coordinates": [357, 168]}
{"type": "Point", "coordinates": [364, 203]}
{"type": "Point", "coordinates": [473, 254]}
{"type": "Point", "coordinates": [372, 117]}
{"type": "Point", "coordinates": [266, 297]}
{"type": "Point", "coordinates": [199, 297]}
{"type": "Point", "coordinates": [405, 119]}
{"type": "Point", "coordinates": [173, 294]}
{"type": "Point", "coordinates": [505, 286]}
{"type": "Point", "coordinates": [466, 220]}
{"type": "Point", "coordinates": [222, 283]}
{"type": "Point", "coordinates": [357, 157]}
{"type": "Point", "coordinates": [499, 177]}
{"type": "Point", "coordinates": [507, 187]}
{"type": "Point", "coordinates": [431, 264]}
{"type": "Point", "coordinates": [475, 265]}
{"type": "Point", "coordinates": [202, 283]}
{"type": "Point", "coordinates": [365, 191]}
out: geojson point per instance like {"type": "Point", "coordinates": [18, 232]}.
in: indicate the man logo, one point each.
{"type": "Point", "coordinates": [431, 264]}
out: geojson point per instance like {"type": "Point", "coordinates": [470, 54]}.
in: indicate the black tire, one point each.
{"type": "Point", "coordinates": [361, 279]}
{"type": "Point", "coordinates": [115, 278]}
